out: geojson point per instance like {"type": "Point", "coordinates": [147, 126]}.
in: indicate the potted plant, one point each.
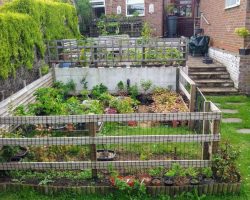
{"type": "Point", "coordinates": [207, 175]}
{"type": "Point", "coordinates": [180, 175]}
{"type": "Point", "coordinates": [145, 178]}
{"type": "Point", "coordinates": [243, 33]}
{"type": "Point", "coordinates": [171, 20]}
{"type": "Point", "coordinates": [193, 174]}
{"type": "Point", "coordinates": [156, 174]}
{"type": "Point", "coordinates": [146, 86]}
{"type": "Point", "coordinates": [169, 177]}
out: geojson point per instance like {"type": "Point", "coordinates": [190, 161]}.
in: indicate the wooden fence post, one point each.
{"type": "Point", "coordinates": [192, 102]}
{"type": "Point", "coordinates": [206, 154]}
{"type": "Point", "coordinates": [177, 79]}
{"type": "Point", "coordinates": [215, 131]}
{"type": "Point", "coordinates": [92, 133]}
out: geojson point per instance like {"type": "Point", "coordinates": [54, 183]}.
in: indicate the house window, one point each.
{"type": "Point", "coordinates": [98, 7]}
{"type": "Point", "coordinates": [232, 3]}
{"type": "Point", "coordinates": [135, 7]}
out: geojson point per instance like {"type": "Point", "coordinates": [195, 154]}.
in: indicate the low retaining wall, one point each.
{"type": "Point", "coordinates": [237, 65]}
{"type": "Point", "coordinates": [230, 60]}
{"type": "Point", "coordinates": [211, 189]}
{"type": "Point", "coordinates": [160, 76]}
{"type": "Point", "coordinates": [24, 96]}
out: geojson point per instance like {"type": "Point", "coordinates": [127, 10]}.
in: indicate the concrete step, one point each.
{"type": "Point", "coordinates": [208, 75]}
{"type": "Point", "coordinates": [219, 91]}
{"type": "Point", "coordinates": [214, 83]}
{"type": "Point", "coordinates": [207, 69]}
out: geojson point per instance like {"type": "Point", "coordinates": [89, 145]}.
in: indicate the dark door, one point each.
{"type": "Point", "coordinates": [184, 9]}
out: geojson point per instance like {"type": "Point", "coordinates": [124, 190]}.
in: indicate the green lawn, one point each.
{"type": "Point", "coordinates": [228, 134]}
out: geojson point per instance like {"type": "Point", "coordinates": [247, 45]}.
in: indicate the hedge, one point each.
{"type": "Point", "coordinates": [28, 24]}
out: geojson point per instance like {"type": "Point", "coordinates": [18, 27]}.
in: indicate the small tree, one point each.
{"type": "Point", "coordinates": [243, 33]}
{"type": "Point", "coordinates": [84, 12]}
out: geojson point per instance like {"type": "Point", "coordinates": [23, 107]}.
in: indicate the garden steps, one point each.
{"type": "Point", "coordinates": [210, 78]}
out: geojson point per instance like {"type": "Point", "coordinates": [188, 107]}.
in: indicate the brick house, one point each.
{"type": "Point", "coordinates": [219, 19]}
{"type": "Point", "coordinates": [151, 11]}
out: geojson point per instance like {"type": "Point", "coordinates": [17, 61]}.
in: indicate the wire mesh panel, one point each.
{"type": "Point", "coordinates": [97, 142]}
{"type": "Point", "coordinates": [118, 51]}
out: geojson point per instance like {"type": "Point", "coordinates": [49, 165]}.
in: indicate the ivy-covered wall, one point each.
{"type": "Point", "coordinates": [25, 26]}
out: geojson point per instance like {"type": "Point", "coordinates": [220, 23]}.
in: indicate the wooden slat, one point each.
{"type": "Point", "coordinates": [184, 90]}
{"type": "Point", "coordinates": [186, 77]}
{"type": "Point", "coordinates": [101, 165]}
{"type": "Point", "coordinates": [136, 139]}
{"type": "Point", "coordinates": [214, 108]}
{"type": "Point", "coordinates": [110, 118]}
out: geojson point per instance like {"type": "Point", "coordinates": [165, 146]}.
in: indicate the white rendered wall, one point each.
{"type": "Point", "coordinates": [160, 76]}
{"type": "Point", "coordinates": [230, 60]}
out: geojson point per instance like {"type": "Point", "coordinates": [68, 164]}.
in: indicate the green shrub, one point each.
{"type": "Point", "coordinates": [19, 37]}
{"type": "Point", "coordinates": [25, 25]}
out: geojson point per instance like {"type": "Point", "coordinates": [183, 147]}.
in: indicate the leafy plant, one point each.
{"type": "Point", "coordinates": [46, 181]}
{"type": "Point", "coordinates": [146, 85]}
{"type": "Point", "coordinates": [156, 172]}
{"type": "Point", "coordinates": [242, 32]}
{"type": "Point", "coordinates": [98, 90]}
{"type": "Point", "coordinates": [133, 91]}
{"type": "Point", "coordinates": [121, 87]}
{"type": "Point", "coordinates": [45, 69]}
{"type": "Point", "coordinates": [207, 172]}
{"type": "Point", "coordinates": [192, 172]}
{"type": "Point", "coordinates": [224, 164]}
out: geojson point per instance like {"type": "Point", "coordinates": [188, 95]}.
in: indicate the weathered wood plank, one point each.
{"type": "Point", "coordinates": [186, 77]}
{"type": "Point", "coordinates": [50, 141]}
{"type": "Point", "coordinates": [101, 165]}
{"type": "Point", "coordinates": [184, 90]}
{"type": "Point", "coordinates": [110, 118]}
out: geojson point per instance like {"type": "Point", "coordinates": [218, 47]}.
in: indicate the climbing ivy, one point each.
{"type": "Point", "coordinates": [19, 35]}
{"type": "Point", "coordinates": [25, 26]}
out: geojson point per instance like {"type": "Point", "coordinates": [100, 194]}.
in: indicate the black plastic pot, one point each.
{"type": "Point", "coordinates": [244, 51]}
{"type": "Point", "coordinates": [168, 181]}
{"type": "Point", "coordinates": [105, 155]}
{"type": "Point", "coordinates": [21, 154]}
{"type": "Point", "coordinates": [194, 181]}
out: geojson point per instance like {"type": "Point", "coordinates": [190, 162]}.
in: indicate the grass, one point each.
{"type": "Point", "coordinates": [229, 133]}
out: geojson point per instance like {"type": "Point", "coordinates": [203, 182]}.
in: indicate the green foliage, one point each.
{"type": "Point", "coordinates": [120, 86]}
{"type": "Point", "coordinates": [123, 105]}
{"type": "Point", "coordinates": [157, 171]}
{"type": "Point", "coordinates": [192, 172]}
{"type": "Point", "coordinates": [98, 90]}
{"type": "Point", "coordinates": [45, 69]}
{"type": "Point", "coordinates": [19, 37]}
{"type": "Point", "coordinates": [84, 12]}
{"type": "Point", "coordinates": [146, 85]}
{"type": "Point", "coordinates": [54, 20]}
{"type": "Point", "coordinates": [242, 32]}
{"type": "Point", "coordinates": [207, 172]}
{"type": "Point", "coordinates": [133, 91]}
{"type": "Point", "coordinates": [146, 32]}
{"type": "Point", "coordinates": [109, 25]}
{"type": "Point", "coordinates": [224, 163]}
{"type": "Point", "coordinates": [25, 25]}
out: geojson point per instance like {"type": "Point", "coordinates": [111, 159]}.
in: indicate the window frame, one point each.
{"type": "Point", "coordinates": [233, 5]}
{"type": "Point", "coordinates": [141, 15]}
{"type": "Point", "coordinates": [98, 6]}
